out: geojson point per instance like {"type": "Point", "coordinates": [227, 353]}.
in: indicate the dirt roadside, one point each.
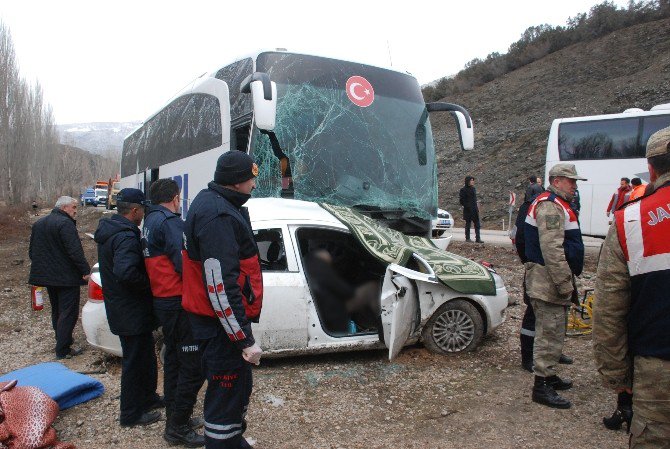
{"type": "Point", "coordinates": [350, 400]}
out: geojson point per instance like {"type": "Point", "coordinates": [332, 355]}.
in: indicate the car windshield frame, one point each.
{"type": "Point", "coordinates": [326, 148]}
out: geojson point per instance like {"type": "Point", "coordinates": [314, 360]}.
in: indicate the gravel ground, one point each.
{"type": "Point", "coordinates": [349, 400]}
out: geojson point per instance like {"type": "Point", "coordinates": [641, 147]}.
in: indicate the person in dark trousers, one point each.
{"type": "Point", "coordinates": [128, 303]}
{"type": "Point", "coordinates": [468, 199]}
{"type": "Point", "coordinates": [35, 208]}
{"type": "Point", "coordinates": [59, 264]}
{"type": "Point", "coordinates": [223, 293]}
{"type": "Point", "coordinates": [182, 376]}
{"type": "Point", "coordinates": [534, 188]}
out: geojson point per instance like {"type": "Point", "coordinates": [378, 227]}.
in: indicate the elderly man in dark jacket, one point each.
{"type": "Point", "coordinates": [128, 302]}
{"type": "Point", "coordinates": [468, 199]}
{"type": "Point", "coordinates": [58, 263]}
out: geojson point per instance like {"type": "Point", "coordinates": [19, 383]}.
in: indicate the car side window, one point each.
{"type": "Point", "coordinates": [271, 249]}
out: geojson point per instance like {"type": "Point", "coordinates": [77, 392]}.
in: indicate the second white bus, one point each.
{"type": "Point", "coordinates": [604, 149]}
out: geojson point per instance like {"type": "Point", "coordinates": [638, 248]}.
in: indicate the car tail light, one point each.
{"type": "Point", "coordinates": [94, 291]}
{"type": "Point", "coordinates": [488, 265]}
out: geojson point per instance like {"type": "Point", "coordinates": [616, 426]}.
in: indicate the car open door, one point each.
{"type": "Point", "coordinates": [400, 304]}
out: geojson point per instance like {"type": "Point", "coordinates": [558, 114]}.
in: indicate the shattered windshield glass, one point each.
{"type": "Point", "coordinates": [346, 134]}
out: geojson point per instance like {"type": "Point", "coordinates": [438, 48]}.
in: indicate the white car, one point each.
{"type": "Point", "coordinates": [414, 304]}
{"type": "Point", "coordinates": [442, 223]}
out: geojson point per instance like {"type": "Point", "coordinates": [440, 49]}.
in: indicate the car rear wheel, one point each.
{"type": "Point", "coordinates": [456, 326]}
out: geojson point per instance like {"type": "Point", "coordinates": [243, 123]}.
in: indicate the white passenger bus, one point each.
{"type": "Point", "coordinates": [345, 133]}
{"type": "Point", "coordinates": [604, 148]}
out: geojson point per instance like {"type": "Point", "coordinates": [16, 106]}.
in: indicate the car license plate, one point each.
{"type": "Point", "coordinates": [442, 222]}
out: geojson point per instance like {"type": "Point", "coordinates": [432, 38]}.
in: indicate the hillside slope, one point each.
{"type": "Point", "coordinates": [104, 138]}
{"type": "Point", "coordinates": [79, 168]}
{"type": "Point", "coordinates": [513, 114]}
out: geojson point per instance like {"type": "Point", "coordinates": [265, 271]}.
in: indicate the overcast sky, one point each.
{"type": "Point", "coordinates": [120, 61]}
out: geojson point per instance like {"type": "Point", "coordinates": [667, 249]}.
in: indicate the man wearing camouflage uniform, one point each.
{"type": "Point", "coordinates": [555, 254]}
{"type": "Point", "coordinates": [631, 314]}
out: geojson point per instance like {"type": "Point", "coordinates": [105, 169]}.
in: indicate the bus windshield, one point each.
{"type": "Point", "coordinates": [329, 145]}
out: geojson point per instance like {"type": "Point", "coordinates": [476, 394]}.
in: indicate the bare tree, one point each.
{"type": "Point", "coordinates": [32, 162]}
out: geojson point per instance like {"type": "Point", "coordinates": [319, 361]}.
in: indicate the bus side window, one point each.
{"type": "Point", "coordinates": [651, 124]}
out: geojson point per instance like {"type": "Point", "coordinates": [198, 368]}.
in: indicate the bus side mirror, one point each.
{"type": "Point", "coordinates": [467, 135]}
{"type": "Point", "coordinates": [264, 98]}
{"type": "Point", "coordinates": [465, 128]}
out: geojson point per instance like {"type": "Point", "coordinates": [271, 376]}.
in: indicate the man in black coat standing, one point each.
{"type": "Point", "coordinates": [468, 199]}
{"type": "Point", "coordinates": [128, 302]}
{"type": "Point", "coordinates": [58, 263]}
{"type": "Point", "coordinates": [534, 188]}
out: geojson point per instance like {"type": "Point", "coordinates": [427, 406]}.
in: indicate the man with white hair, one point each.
{"type": "Point", "coordinates": [59, 264]}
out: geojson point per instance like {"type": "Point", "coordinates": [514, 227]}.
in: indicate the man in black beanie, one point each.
{"type": "Point", "coordinates": [223, 294]}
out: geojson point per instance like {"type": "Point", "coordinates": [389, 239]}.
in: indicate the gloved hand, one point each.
{"type": "Point", "coordinates": [252, 354]}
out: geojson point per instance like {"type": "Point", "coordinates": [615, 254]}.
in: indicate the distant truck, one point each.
{"type": "Point", "coordinates": [101, 188]}
{"type": "Point", "coordinates": [112, 192]}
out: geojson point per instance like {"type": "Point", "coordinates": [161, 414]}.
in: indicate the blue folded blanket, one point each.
{"type": "Point", "coordinates": [68, 388]}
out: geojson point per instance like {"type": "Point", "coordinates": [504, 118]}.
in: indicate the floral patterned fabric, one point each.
{"type": "Point", "coordinates": [390, 246]}
{"type": "Point", "coordinates": [26, 415]}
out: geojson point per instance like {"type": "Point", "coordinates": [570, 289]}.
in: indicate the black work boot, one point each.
{"type": "Point", "coordinates": [623, 414]}
{"type": "Point", "coordinates": [177, 431]}
{"type": "Point", "coordinates": [196, 422]}
{"type": "Point", "coordinates": [559, 384]}
{"type": "Point", "coordinates": [544, 394]}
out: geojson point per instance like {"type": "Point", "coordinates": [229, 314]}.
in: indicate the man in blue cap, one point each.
{"type": "Point", "coordinates": [128, 302]}
{"type": "Point", "coordinates": [223, 294]}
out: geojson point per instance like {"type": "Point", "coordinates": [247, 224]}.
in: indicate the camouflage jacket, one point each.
{"type": "Point", "coordinates": [552, 282]}
{"type": "Point", "coordinates": [610, 311]}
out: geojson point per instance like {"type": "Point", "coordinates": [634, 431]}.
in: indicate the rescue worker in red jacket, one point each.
{"type": "Point", "coordinates": [619, 197]}
{"type": "Point", "coordinates": [223, 294]}
{"type": "Point", "coordinates": [631, 313]}
{"type": "Point", "coordinates": [182, 377]}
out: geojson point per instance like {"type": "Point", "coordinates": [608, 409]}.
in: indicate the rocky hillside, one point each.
{"type": "Point", "coordinates": [513, 114]}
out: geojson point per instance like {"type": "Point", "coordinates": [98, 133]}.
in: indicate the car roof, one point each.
{"type": "Point", "coordinates": [297, 211]}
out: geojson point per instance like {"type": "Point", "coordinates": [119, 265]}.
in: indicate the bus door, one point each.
{"type": "Point", "coordinates": [149, 177]}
